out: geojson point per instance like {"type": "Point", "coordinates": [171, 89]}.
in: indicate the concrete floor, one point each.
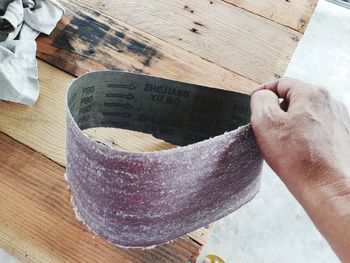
{"type": "Point", "coordinates": [273, 227]}
{"type": "Point", "coordinates": [6, 258]}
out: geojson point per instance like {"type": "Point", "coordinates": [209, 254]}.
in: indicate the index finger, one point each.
{"type": "Point", "coordinates": [267, 85]}
{"type": "Point", "coordinates": [283, 87]}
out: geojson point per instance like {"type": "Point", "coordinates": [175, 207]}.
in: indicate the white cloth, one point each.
{"type": "Point", "coordinates": [21, 21]}
{"type": "Point", "coordinates": [18, 72]}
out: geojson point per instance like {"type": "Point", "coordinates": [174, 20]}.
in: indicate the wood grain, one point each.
{"type": "Point", "coordinates": [37, 223]}
{"type": "Point", "coordinates": [222, 33]}
{"type": "Point", "coordinates": [216, 44]}
{"type": "Point", "coordinates": [86, 40]}
{"type": "Point", "coordinates": [291, 13]}
{"type": "Point", "coordinates": [127, 140]}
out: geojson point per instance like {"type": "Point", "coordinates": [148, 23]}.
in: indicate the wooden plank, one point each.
{"type": "Point", "coordinates": [42, 126]}
{"type": "Point", "coordinates": [37, 223]}
{"type": "Point", "coordinates": [86, 40]}
{"type": "Point", "coordinates": [222, 33]}
{"type": "Point", "coordinates": [295, 14]}
{"type": "Point", "coordinates": [127, 140]}
{"type": "Point", "coordinates": [202, 235]}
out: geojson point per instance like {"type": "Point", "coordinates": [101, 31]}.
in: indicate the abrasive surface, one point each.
{"type": "Point", "coordinates": [144, 199]}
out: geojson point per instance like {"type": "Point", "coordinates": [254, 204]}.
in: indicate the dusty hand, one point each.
{"type": "Point", "coordinates": [306, 141]}
{"type": "Point", "coordinates": [306, 138]}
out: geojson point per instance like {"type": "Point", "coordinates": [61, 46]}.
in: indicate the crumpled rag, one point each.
{"type": "Point", "coordinates": [21, 21]}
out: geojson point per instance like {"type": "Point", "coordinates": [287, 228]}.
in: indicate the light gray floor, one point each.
{"type": "Point", "coordinates": [273, 228]}
{"type": "Point", "coordinates": [6, 258]}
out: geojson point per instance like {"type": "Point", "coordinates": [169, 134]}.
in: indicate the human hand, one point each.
{"type": "Point", "coordinates": [306, 138]}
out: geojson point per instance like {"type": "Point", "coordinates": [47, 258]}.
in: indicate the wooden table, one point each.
{"type": "Point", "coordinates": [230, 44]}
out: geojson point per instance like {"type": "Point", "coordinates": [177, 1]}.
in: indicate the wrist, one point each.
{"type": "Point", "coordinates": [327, 205]}
{"type": "Point", "coordinates": [322, 188]}
{"type": "Point", "coordinates": [318, 176]}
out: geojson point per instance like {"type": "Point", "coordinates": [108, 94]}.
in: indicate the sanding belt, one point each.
{"type": "Point", "coordinates": [136, 199]}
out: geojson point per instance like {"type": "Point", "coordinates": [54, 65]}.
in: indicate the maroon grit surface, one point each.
{"type": "Point", "coordinates": [145, 199]}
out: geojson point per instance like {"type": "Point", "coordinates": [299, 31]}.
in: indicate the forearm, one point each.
{"type": "Point", "coordinates": [307, 143]}
{"type": "Point", "coordinates": [328, 205]}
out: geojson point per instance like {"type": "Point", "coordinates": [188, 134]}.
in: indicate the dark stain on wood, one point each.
{"type": "Point", "coordinates": [88, 28]}
{"type": "Point", "coordinates": [84, 28]}
{"type": "Point", "coordinates": [120, 34]}
{"type": "Point", "coordinates": [142, 50]}
{"type": "Point", "coordinates": [194, 30]}
{"type": "Point", "coordinates": [89, 52]}
{"type": "Point", "coordinates": [96, 13]}
{"type": "Point", "coordinates": [198, 23]}
{"type": "Point", "coordinates": [296, 38]}
{"type": "Point", "coordinates": [302, 23]}
{"type": "Point", "coordinates": [112, 41]}
{"type": "Point", "coordinates": [186, 7]}
{"type": "Point", "coordinates": [277, 76]}
{"type": "Point", "coordinates": [80, 43]}
{"type": "Point", "coordinates": [63, 41]}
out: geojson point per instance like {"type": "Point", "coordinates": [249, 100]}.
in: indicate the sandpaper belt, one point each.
{"type": "Point", "coordinates": [143, 199]}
